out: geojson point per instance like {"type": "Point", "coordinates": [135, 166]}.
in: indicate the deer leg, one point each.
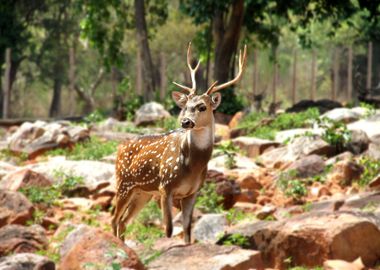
{"type": "Point", "coordinates": [135, 205]}
{"type": "Point", "coordinates": [121, 204]}
{"type": "Point", "coordinates": [166, 207]}
{"type": "Point", "coordinates": [187, 205]}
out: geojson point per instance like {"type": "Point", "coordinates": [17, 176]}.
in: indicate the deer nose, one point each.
{"type": "Point", "coordinates": [187, 123]}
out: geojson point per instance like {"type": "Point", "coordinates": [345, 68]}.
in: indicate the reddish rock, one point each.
{"type": "Point", "coordinates": [375, 183]}
{"type": "Point", "coordinates": [249, 181]}
{"type": "Point", "coordinates": [254, 146]}
{"type": "Point", "coordinates": [320, 235]}
{"type": "Point", "coordinates": [15, 208]}
{"type": "Point", "coordinates": [236, 119]}
{"type": "Point", "coordinates": [24, 178]}
{"type": "Point", "coordinates": [26, 261]}
{"type": "Point", "coordinates": [208, 256]}
{"type": "Point", "coordinates": [344, 172]}
{"type": "Point", "coordinates": [17, 239]}
{"type": "Point", "coordinates": [308, 166]}
{"type": "Point", "coordinates": [247, 195]}
{"type": "Point", "coordinates": [101, 249]}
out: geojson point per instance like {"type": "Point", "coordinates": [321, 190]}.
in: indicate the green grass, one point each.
{"type": "Point", "coordinates": [93, 149]}
{"type": "Point", "coordinates": [371, 170]}
{"type": "Point", "coordinates": [236, 239]}
{"type": "Point", "coordinates": [281, 122]}
{"type": "Point", "coordinates": [292, 187]}
{"type": "Point", "coordinates": [208, 200]}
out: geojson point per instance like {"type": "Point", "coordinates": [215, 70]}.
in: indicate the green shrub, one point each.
{"type": "Point", "coordinates": [371, 109]}
{"type": "Point", "coordinates": [292, 187]}
{"type": "Point", "coordinates": [371, 170]}
{"type": "Point", "coordinates": [335, 133]}
{"type": "Point", "coordinates": [236, 239]}
{"type": "Point", "coordinates": [94, 117]}
{"type": "Point", "coordinates": [228, 149]}
{"type": "Point", "coordinates": [208, 200]}
{"type": "Point", "coordinates": [93, 149]}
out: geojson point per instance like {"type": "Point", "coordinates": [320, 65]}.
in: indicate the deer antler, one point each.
{"type": "Point", "coordinates": [242, 60]}
{"type": "Point", "coordinates": [192, 73]}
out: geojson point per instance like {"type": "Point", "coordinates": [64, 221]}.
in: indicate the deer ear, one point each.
{"type": "Point", "coordinates": [215, 100]}
{"type": "Point", "coordinates": [179, 98]}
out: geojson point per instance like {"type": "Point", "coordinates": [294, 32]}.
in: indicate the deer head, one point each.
{"type": "Point", "coordinates": [197, 110]}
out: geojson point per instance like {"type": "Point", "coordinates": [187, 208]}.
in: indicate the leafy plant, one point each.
{"type": "Point", "coordinates": [37, 217]}
{"type": "Point", "coordinates": [68, 181]}
{"type": "Point", "coordinates": [94, 117]}
{"type": "Point", "coordinates": [235, 216]}
{"type": "Point", "coordinates": [292, 187]}
{"type": "Point", "coordinates": [93, 149]}
{"type": "Point", "coordinates": [335, 133]}
{"type": "Point", "coordinates": [228, 149]}
{"type": "Point", "coordinates": [236, 239]}
{"type": "Point", "coordinates": [371, 170]}
{"type": "Point", "coordinates": [370, 109]}
{"type": "Point", "coordinates": [208, 200]}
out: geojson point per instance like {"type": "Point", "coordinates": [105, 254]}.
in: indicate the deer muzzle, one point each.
{"type": "Point", "coordinates": [187, 123]}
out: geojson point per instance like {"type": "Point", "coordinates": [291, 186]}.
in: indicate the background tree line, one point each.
{"type": "Point", "coordinates": [70, 57]}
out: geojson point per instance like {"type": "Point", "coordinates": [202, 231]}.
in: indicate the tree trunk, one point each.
{"type": "Point", "coordinates": [226, 36]}
{"type": "Point", "coordinates": [164, 81]}
{"type": "Point", "coordinates": [72, 79]}
{"type": "Point", "coordinates": [294, 79]}
{"type": "Point", "coordinates": [349, 74]}
{"type": "Point", "coordinates": [7, 83]}
{"type": "Point", "coordinates": [55, 107]}
{"type": "Point", "coordinates": [369, 67]}
{"type": "Point", "coordinates": [313, 88]}
{"type": "Point", "coordinates": [143, 45]}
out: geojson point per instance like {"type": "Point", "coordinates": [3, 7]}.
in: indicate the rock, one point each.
{"type": "Point", "coordinates": [38, 137]}
{"type": "Point", "coordinates": [322, 105]}
{"type": "Point", "coordinates": [76, 203]}
{"type": "Point", "coordinates": [96, 174]}
{"type": "Point", "coordinates": [17, 239]}
{"type": "Point", "coordinates": [344, 172]}
{"type": "Point", "coordinates": [287, 135]}
{"type": "Point", "coordinates": [228, 189]}
{"type": "Point", "coordinates": [249, 181]}
{"type": "Point", "coordinates": [253, 146]}
{"type": "Point", "coordinates": [320, 235]}
{"type": "Point", "coordinates": [150, 113]}
{"type": "Point", "coordinates": [24, 178]}
{"type": "Point", "coordinates": [105, 250]}
{"type": "Point", "coordinates": [265, 211]}
{"type": "Point", "coordinates": [374, 147]}
{"type": "Point", "coordinates": [359, 142]}
{"type": "Point", "coordinates": [342, 156]}
{"type": "Point", "coordinates": [6, 168]}
{"type": "Point", "coordinates": [308, 166]}
{"type": "Point", "coordinates": [242, 163]}
{"type": "Point", "coordinates": [236, 119]}
{"type": "Point", "coordinates": [208, 227]}
{"type": "Point", "coordinates": [207, 256]}
{"type": "Point", "coordinates": [370, 125]}
{"type": "Point", "coordinates": [375, 183]}
{"type": "Point", "coordinates": [345, 115]}
{"type": "Point", "coordinates": [26, 261]}
{"type": "Point", "coordinates": [300, 147]}
{"type": "Point", "coordinates": [15, 208]}
{"type": "Point", "coordinates": [222, 132]}
{"type": "Point", "coordinates": [340, 264]}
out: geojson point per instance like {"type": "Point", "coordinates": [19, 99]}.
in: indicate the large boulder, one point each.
{"type": "Point", "coordinates": [370, 125]}
{"type": "Point", "coordinates": [26, 261]}
{"type": "Point", "coordinates": [284, 136]}
{"type": "Point", "coordinates": [150, 113]}
{"type": "Point", "coordinates": [321, 235]}
{"type": "Point", "coordinates": [23, 178]}
{"type": "Point", "coordinates": [6, 168]}
{"type": "Point", "coordinates": [18, 239]}
{"type": "Point", "coordinates": [374, 147]}
{"type": "Point", "coordinates": [35, 138]}
{"type": "Point", "coordinates": [254, 146]}
{"type": "Point", "coordinates": [345, 115]}
{"type": "Point", "coordinates": [308, 166]}
{"type": "Point", "coordinates": [299, 147]}
{"type": "Point", "coordinates": [209, 226]}
{"type": "Point", "coordinates": [207, 256]}
{"type": "Point", "coordinates": [15, 208]}
{"type": "Point", "coordinates": [98, 248]}
{"type": "Point", "coordinates": [95, 174]}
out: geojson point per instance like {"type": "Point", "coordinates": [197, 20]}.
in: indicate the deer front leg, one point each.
{"type": "Point", "coordinates": [166, 207]}
{"type": "Point", "coordinates": [187, 205]}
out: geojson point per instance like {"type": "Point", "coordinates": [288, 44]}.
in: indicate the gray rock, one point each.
{"type": "Point", "coordinates": [345, 115]}
{"type": "Point", "coordinates": [26, 261]}
{"type": "Point", "coordinates": [254, 146]}
{"type": "Point", "coordinates": [209, 226]}
{"type": "Point", "coordinates": [15, 208]}
{"type": "Point", "coordinates": [371, 125]}
{"type": "Point", "coordinates": [96, 174]}
{"type": "Point", "coordinates": [308, 166]}
{"type": "Point", "coordinates": [359, 142]}
{"type": "Point", "coordinates": [150, 113]}
{"type": "Point", "coordinates": [72, 238]}
{"type": "Point", "coordinates": [207, 256]}
{"type": "Point", "coordinates": [286, 135]}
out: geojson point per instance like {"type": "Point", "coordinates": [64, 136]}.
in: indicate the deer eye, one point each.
{"type": "Point", "coordinates": [202, 108]}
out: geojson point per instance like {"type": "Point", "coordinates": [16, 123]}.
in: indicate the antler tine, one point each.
{"type": "Point", "coordinates": [242, 61]}
{"type": "Point", "coordinates": [211, 87]}
{"type": "Point", "coordinates": [192, 73]}
{"type": "Point", "coordinates": [192, 70]}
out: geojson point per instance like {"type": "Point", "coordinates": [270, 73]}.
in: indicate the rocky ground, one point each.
{"type": "Point", "coordinates": [282, 192]}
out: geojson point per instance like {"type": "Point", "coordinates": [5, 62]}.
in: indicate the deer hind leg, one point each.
{"type": "Point", "coordinates": [138, 201]}
{"type": "Point", "coordinates": [187, 205]}
{"type": "Point", "coordinates": [166, 207]}
{"type": "Point", "coordinates": [121, 203]}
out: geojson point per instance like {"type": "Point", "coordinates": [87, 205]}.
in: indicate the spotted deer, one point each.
{"type": "Point", "coordinates": [171, 165]}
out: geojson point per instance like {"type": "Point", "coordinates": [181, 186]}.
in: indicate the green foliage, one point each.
{"type": "Point", "coordinates": [94, 117]}
{"type": "Point", "coordinates": [92, 217]}
{"type": "Point", "coordinates": [292, 187]}
{"type": "Point", "coordinates": [335, 133]}
{"type": "Point", "coordinates": [229, 150]}
{"type": "Point", "coordinates": [208, 200]}
{"type": "Point", "coordinates": [49, 195]}
{"type": "Point", "coordinates": [8, 155]}
{"type": "Point", "coordinates": [231, 103]}
{"type": "Point", "coordinates": [93, 149]}
{"type": "Point", "coordinates": [281, 122]}
{"type": "Point", "coordinates": [370, 109]}
{"type": "Point", "coordinates": [236, 239]}
{"type": "Point", "coordinates": [37, 218]}
{"type": "Point", "coordinates": [168, 124]}
{"type": "Point", "coordinates": [371, 170]}
{"type": "Point", "coordinates": [235, 216]}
